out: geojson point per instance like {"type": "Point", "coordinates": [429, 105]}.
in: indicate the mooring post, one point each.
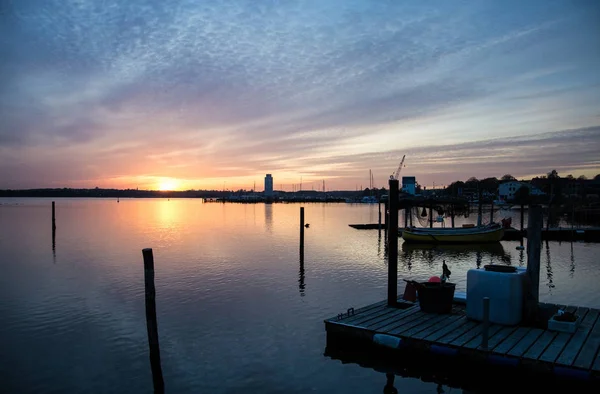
{"type": "Point", "coordinates": [151, 323]}
{"type": "Point", "coordinates": [392, 241]}
{"type": "Point", "coordinates": [480, 207]}
{"type": "Point", "coordinates": [53, 217]}
{"type": "Point", "coordinates": [379, 205]}
{"type": "Point", "coordinates": [485, 328]}
{"type": "Point", "coordinates": [406, 217]}
{"type": "Point", "coordinates": [492, 213]}
{"type": "Point", "coordinates": [534, 248]}
{"type": "Point", "coordinates": [431, 215]}
{"type": "Point", "coordinates": [452, 215]}
{"type": "Point", "coordinates": [386, 206]}
{"type": "Point", "coordinates": [522, 217]}
{"type": "Point", "coordinates": [301, 229]}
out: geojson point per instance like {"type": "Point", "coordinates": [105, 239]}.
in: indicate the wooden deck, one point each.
{"type": "Point", "coordinates": [573, 355]}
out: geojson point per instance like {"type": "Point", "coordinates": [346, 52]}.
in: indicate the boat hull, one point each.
{"type": "Point", "coordinates": [476, 235]}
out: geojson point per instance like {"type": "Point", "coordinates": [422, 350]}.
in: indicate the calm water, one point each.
{"type": "Point", "coordinates": [236, 312]}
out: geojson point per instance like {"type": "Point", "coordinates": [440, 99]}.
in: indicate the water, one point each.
{"type": "Point", "coordinates": [236, 312]}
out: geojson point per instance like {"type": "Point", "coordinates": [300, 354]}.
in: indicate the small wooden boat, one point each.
{"type": "Point", "coordinates": [482, 234]}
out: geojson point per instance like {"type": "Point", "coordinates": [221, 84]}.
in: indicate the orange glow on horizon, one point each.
{"type": "Point", "coordinates": [168, 184]}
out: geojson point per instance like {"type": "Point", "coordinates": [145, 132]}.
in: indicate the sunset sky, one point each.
{"type": "Point", "coordinates": [212, 94]}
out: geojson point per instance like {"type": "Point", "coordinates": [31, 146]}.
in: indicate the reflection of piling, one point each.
{"type": "Point", "coordinates": [392, 241]}
{"type": "Point", "coordinates": [534, 242]}
{"type": "Point", "coordinates": [302, 230]}
{"type": "Point", "coordinates": [151, 323]}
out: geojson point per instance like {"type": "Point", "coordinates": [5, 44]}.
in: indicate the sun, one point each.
{"type": "Point", "coordinates": [168, 184]}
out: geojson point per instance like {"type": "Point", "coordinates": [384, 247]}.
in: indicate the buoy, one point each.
{"type": "Point", "coordinates": [435, 279]}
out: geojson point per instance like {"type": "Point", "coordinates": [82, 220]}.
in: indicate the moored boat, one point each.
{"type": "Point", "coordinates": [482, 234]}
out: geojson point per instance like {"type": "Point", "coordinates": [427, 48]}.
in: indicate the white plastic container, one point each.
{"type": "Point", "coordinates": [505, 291]}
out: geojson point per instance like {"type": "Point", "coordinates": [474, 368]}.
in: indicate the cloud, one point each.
{"type": "Point", "coordinates": [235, 88]}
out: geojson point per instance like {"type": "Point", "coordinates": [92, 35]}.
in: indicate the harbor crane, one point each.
{"type": "Point", "coordinates": [397, 173]}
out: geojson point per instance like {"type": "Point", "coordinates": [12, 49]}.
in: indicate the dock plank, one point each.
{"type": "Point", "coordinates": [452, 335]}
{"type": "Point", "coordinates": [362, 310]}
{"type": "Point", "coordinates": [449, 328]}
{"type": "Point", "coordinates": [500, 336]}
{"type": "Point", "coordinates": [436, 327]}
{"type": "Point", "coordinates": [536, 350]}
{"type": "Point", "coordinates": [476, 341]}
{"type": "Point", "coordinates": [573, 347]}
{"type": "Point", "coordinates": [397, 323]}
{"type": "Point", "coordinates": [525, 343]}
{"type": "Point", "coordinates": [376, 314]}
{"type": "Point", "coordinates": [395, 317]}
{"type": "Point", "coordinates": [411, 332]}
{"type": "Point", "coordinates": [590, 348]}
{"type": "Point", "coordinates": [422, 317]}
{"type": "Point", "coordinates": [474, 332]}
{"type": "Point", "coordinates": [596, 365]}
{"type": "Point", "coordinates": [555, 347]}
{"type": "Point", "coordinates": [510, 341]}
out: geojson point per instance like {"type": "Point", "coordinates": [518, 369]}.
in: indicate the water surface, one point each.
{"type": "Point", "coordinates": [237, 312]}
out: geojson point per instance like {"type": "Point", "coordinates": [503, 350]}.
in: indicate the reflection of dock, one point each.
{"type": "Point", "coordinates": [589, 234]}
{"type": "Point", "coordinates": [492, 248]}
{"type": "Point", "coordinates": [452, 339]}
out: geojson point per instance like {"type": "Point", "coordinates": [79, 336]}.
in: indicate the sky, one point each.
{"type": "Point", "coordinates": [215, 94]}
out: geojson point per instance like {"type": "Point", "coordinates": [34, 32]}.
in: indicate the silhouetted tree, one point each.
{"type": "Point", "coordinates": [597, 177]}
{"type": "Point", "coordinates": [582, 178]}
{"type": "Point", "coordinates": [522, 195]}
{"type": "Point", "coordinates": [553, 175]}
{"type": "Point", "coordinates": [507, 178]}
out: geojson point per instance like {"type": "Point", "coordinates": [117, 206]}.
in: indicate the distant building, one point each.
{"type": "Point", "coordinates": [507, 190]}
{"type": "Point", "coordinates": [268, 185]}
{"type": "Point", "coordinates": [409, 185]}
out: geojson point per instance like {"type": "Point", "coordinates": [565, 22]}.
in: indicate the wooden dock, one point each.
{"type": "Point", "coordinates": [574, 356]}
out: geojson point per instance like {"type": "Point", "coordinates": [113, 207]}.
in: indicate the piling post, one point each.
{"type": "Point", "coordinates": [492, 213]}
{"type": "Point", "coordinates": [379, 205]}
{"type": "Point", "coordinates": [534, 245]}
{"type": "Point", "coordinates": [430, 215]}
{"type": "Point", "coordinates": [406, 217]}
{"type": "Point", "coordinates": [151, 323]}
{"type": "Point", "coordinates": [392, 241]}
{"type": "Point", "coordinates": [452, 215]}
{"type": "Point", "coordinates": [53, 217]}
{"type": "Point", "coordinates": [480, 207]}
{"type": "Point", "coordinates": [485, 328]}
{"type": "Point", "coordinates": [302, 230]}
{"type": "Point", "coordinates": [522, 216]}
{"type": "Point", "coordinates": [386, 206]}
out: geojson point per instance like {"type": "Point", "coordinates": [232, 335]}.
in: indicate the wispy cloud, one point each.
{"type": "Point", "coordinates": [99, 92]}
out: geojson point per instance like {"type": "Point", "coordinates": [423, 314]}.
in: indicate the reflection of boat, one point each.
{"type": "Point", "coordinates": [482, 234]}
{"type": "Point", "coordinates": [492, 248]}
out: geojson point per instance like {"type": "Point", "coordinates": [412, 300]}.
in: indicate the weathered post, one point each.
{"type": "Point", "coordinates": [480, 207]}
{"type": "Point", "coordinates": [302, 230]}
{"type": "Point", "coordinates": [406, 217]}
{"type": "Point", "coordinates": [151, 323]}
{"type": "Point", "coordinates": [393, 244]}
{"type": "Point", "coordinates": [492, 213]}
{"type": "Point", "coordinates": [534, 247]}
{"type": "Point", "coordinates": [386, 206]}
{"type": "Point", "coordinates": [53, 217]}
{"type": "Point", "coordinates": [452, 215]}
{"type": "Point", "coordinates": [485, 328]}
{"type": "Point", "coordinates": [522, 217]}
{"type": "Point", "coordinates": [379, 205]}
{"type": "Point", "coordinates": [431, 215]}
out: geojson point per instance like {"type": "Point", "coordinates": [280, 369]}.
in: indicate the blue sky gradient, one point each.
{"type": "Point", "coordinates": [197, 94]}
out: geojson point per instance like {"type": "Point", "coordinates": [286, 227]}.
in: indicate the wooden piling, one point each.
{"type": "Point", "coordinates": [151, 323]}
{"type": "Point", "coordinates": [392, 242]}
{"type": "Point", "coordinates": [485, 329]}
{"type": "Point", "coordinates": [492, 213]}
{"type": "Point", "coordinates": [534, 247]}
{"type": "Point", "coordinates": [386, 205]}
{"type": "Point", "coordinates": [302, 230]}
{"type": "Point", "coordinates": [452, 215]}
{"type": "Point", "coordinates": [53, 217]}
{"type": "Point", "coordinates": [406, 217]}
{"type": "Point", "coordinates": [379, 205]}
{"type": "Point", "coordinates": [522, 216]}
{"type": "Point", "coordinates": [480, 207]}
{"type": "Point", "coordinates": [430, 215]}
